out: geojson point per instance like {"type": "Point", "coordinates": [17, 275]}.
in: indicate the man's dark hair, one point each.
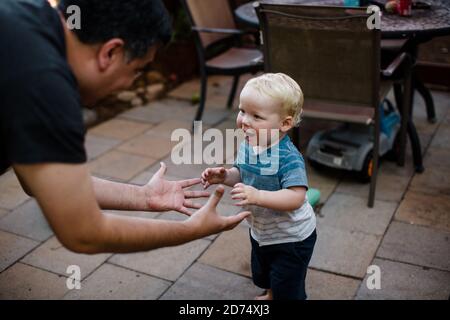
{"type": "Point", "coordinates": [139, 23]}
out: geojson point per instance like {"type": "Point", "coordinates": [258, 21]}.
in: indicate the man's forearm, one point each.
{"type": "Point", "coordinates": [129, 234]}
{"type": "Point", "coordinates": [119, 196]}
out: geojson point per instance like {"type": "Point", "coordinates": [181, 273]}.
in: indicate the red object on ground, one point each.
{"type": "Point", "coordinates": [404, 7]}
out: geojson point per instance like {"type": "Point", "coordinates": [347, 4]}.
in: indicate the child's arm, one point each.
{"type": "Point", "coordinates": [227, 177]}
{"type": "Point", "coordinates": [281, 200]}
{"type": "Point", "coordinates": [232, 177]}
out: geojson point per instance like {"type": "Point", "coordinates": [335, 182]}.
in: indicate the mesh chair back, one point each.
{"type": "Point", "coordinates": [329, 51]}
{"type": "Point", "coordinates": [211, 14]}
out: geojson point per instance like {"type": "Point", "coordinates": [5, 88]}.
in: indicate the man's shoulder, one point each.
{"type": "Point", "coordinates": [45, 86]}
{"type": "Point", "coordinates": [35, 39]}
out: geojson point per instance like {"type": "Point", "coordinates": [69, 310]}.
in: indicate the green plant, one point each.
{"type": "Point", "coordinates": [181, 25]}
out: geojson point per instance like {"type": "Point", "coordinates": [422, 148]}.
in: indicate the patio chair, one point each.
{"type": "Point", "coordinates": [218, 46]}
{"type": "Point", "coordinates": [335, 58]}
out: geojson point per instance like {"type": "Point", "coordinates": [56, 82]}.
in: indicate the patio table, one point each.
{"type": "Point", "coordinates": [424, 23]}
{"type": "Point", "coordinates": [422, 26]}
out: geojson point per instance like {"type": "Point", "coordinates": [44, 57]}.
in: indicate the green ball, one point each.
{"type": "Point", "coordinates": [195, 98]}
{"type": "Point", "coordinates": [313, 196]}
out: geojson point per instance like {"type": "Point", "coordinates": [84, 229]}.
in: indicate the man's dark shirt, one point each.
{"type": "Point", "coordinates": [40, 109]}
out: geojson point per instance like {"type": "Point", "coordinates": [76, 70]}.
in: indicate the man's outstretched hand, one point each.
{"type": "Point", "coordinates": [207, 220]}
{"type": "Point", "coordinates": [164, 195]}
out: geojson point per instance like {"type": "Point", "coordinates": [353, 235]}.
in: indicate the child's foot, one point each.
{"type": "Point", "coordinates": [267, 295]}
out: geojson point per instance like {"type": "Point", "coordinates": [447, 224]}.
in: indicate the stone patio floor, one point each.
{"type": "Point", "coordinates": [406, 234]}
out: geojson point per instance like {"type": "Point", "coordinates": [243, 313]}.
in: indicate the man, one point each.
{"type": "Point", "coordinates": [47, 71]}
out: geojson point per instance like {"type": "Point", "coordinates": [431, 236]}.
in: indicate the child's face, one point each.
{"type": "Point", "coordinates": [259, 112]}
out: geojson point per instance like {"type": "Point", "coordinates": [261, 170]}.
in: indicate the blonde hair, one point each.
{"type": "Point", "coordinates": [282, 88]}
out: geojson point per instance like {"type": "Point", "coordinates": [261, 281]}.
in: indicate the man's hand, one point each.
{"type": "Point", "coordinates": [164, 195]}
{"type": "Point", "coordinates": [213, 176]}
{"type": "Point", "coordinates": [247, 194]}
{"type": "Point", "coordinates": [207, 221]}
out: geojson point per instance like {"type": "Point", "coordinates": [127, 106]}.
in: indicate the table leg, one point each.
{"type": "Point", "coordinates": [415, 146]}
{"type": "Point", "coordinates": [411, 129]}
{"type": "Point", "coordinates": [428, 98]}
{"type": "Point", "coordinates": [419, 85]}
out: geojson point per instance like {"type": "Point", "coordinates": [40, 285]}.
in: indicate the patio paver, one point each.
{"type": "Point", "coordinates": [442, 138]}
{"type": "Point", "coordinates": [3, 212]}
{"type": "Point", "coordinates": [342, 251]}
{"type": "Point", "coordinates": [215, 116]}
{"type": "Point", "coordinates": [12, 194]}
{"type": "Point", "coordinates": [327, 286]}
{"type": "Point", "coordinates": [120, 165]}
{"type": "Point", "coordinates": [53, 257]}
{"type": "Point", "coordinates": [26, 282]}
{"type": "Point", "coordinates": [230, 251]}
{"type": "Point", "coordinates": [405, 281]}
{"type": "Point", "coordinates": [217, 86]}
{"type": "Point", "coordinates": [112, 282]}
{"type": "Point", "coordinates": [326, 183]}
{"type": "Point", "coordinates": [12, 248]}
{"type": "Point", "coordinates": [434, 180]}
{"type": "Point", "coordinates": [389, 187]}
{"type": "Point", "coordinates": [391, 167]}
{"type": "Point", "coordinates": [426, 210]}
{"type": "Point", "coordinates": [441, 105]}
{"type": "Point", "coordinates": [96, 145]}
{"type": "Point", "coordinates": [202, 282]}
{"type": "Point", "coordinates": [160, 262]}
{"type": "Point", "coordinates": [165, 128]}
{"type": "Point", "coordinates": [416, 245]}
{"type": "Point", "coordinates": [161, 110]}
{"type": "Point", "coordinates": [437, 157]}
{"type": "Point", "coordinates": [119, 129]}
{"type": "Point", "coordinates": [446, 121]}
{"type": "Point", "coordinates": [187, 89]}
{"type": "Point", "coordinates": [28, 221]}
{"type": "Point", "coordinates": [148, 146]}
{"type": "Point", "coordinates": [351, 213]}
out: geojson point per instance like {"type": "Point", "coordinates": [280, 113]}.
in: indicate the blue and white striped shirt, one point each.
{"type": "Point", "coordinates": [279, 167]}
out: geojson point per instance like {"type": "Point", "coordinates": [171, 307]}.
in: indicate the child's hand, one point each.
{"type": "Point", "coordinates": [247, 194]}
{"type": "Point", "coordinates": [213, 176]}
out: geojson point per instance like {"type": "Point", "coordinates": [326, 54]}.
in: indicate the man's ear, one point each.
{"type": "Point", "coordinates": [286, 124]}
{"type": "Point", "coordinates": [110, 52]}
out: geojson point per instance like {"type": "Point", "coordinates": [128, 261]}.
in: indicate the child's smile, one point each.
{"type": "Point", "coordinates": [259, 117]}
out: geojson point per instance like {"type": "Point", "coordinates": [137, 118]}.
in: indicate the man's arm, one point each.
{"type": "Point", "coordinates": [119, 196]}
{"type": "Point", "coordinates": [158, 194]}
{"type": "Point", "coordinates": [66, 195]}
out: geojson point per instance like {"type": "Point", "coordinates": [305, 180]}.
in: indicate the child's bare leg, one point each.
{"type": "Point", "coordinates": [266, 296]}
